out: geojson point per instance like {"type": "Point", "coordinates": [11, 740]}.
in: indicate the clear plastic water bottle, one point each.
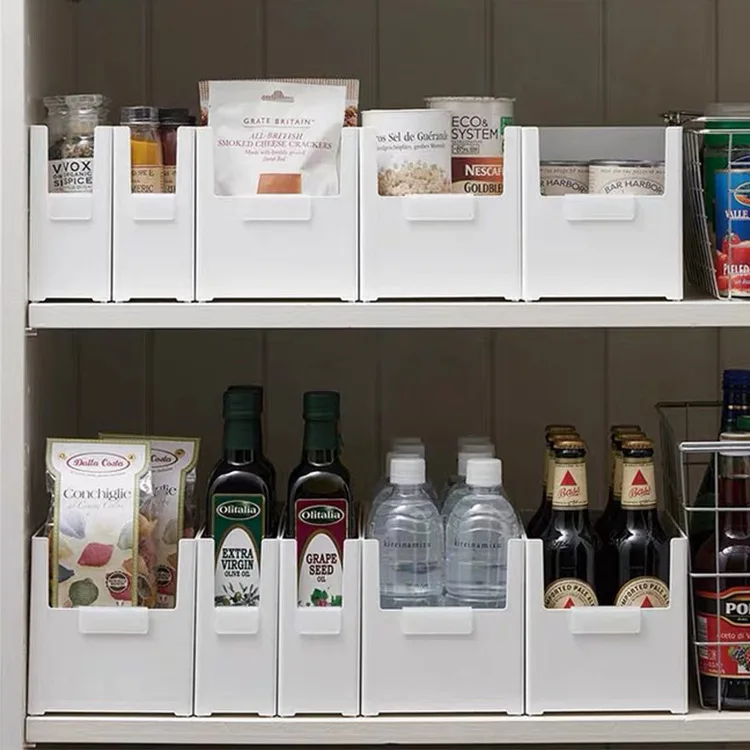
{"type": "Point", "coordinates": [408, 526]}
{"type": "Point", "coordinates": [457, 485]}
{"type": "Point", "coordinates": [476, 539]}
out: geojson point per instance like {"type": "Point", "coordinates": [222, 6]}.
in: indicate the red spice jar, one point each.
{"type": "Point", "coordinates": [169, 121]}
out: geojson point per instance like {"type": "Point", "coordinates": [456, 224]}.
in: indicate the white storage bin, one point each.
{"type": "Point", "coordinates": [235, 647]}
{"type": "Point", "coordinates": [319, 646]}
{"type": "Point", "coordinates": [445, 245]}
{"type": "Point", "coordinates": [447, 659]}
{"type": "Point", "coordinates": [276, 246]}
{"type": "Point", "coordinates": [607, 658]}
{"type": "Point", "coordinates": [154, 234]}
{"type": "Point", "coordinates": [70, 234]}
{"type": "Point", "coordinates": [602, 245]}
{"type": "Point", "coordinates": [110, 659]}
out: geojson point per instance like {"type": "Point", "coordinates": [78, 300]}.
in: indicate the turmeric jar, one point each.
{"type": "Point", "coordinates": [146, 163]}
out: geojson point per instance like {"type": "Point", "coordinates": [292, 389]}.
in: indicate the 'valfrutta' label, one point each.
{"type": "Point", "coordinates": [565, 593]}
{"type": "Point", "coordinates": [638, 484]}
{"type": "Point", "coordinates": [239, 522]}
{"type": "Point", "coordinates": [644, 592]}
{"type": "Point", "coordinates": [320, 528]}
{"type": "Point", "coordinates": [570, 485]}
{"type": "Point", "coordinates": [724, 618]}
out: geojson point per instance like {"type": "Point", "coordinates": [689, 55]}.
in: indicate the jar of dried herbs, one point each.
{"type": "Point", "coordinates": [71, 121]}
{"type": "Point", "coordinates": [146, 162]}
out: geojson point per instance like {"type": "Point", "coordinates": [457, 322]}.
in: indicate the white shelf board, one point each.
{"type": "Point", "coordinates": [706, 313]}
{"type": "Point", "coordinates": [697, 726]}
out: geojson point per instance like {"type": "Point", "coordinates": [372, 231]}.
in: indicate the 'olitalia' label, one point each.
{"type": "Point", "coordinates": [724, 618]}
{"type": "Point", "coordinates": [638, 484]}
{"type": "Point", "coordinates": [645, 592]}
{"type": "Point", "coordinates": [569, 485]}
{"type": "Point", "coordinates": [565, 593]}
{"type": "Point", "coordinates": [239, 521]}
{"type": "Point", "coordinates": [320, 528]}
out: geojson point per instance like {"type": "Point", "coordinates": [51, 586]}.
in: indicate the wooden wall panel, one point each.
{"type": "Point", "coordinates": [432, 48]}
{"type": "Point", "coordinates": [660, 55]}
{"type": "Point", "coordinates": [547, 54]}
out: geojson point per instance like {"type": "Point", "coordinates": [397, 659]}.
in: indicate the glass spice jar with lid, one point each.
{"type": "Point", "coordinates": [146, 163]}
{"type": "Point", "coordinates": [71, 121]}
{"type": "Point", "coordinates": [169, 120]}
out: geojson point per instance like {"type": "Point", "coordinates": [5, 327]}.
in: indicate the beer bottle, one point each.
{"type": "Point", "coordinates": [541, 516]}
{"type": "Point", "coordinates": [610, 517]}
{"type": "Point", "coordinates": [635, 557]}
{"type": "Point", "coordinates": [735, 404]}
{"type": "Point", "coordinates": [569, 543]}
{"type": "Point", "coordinates": [722, 608]}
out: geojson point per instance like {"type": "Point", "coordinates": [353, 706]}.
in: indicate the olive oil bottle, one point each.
{"type": "Point", "coordinates": [320, 512]}
{"type": "Point", "coordinates": [240, 500]}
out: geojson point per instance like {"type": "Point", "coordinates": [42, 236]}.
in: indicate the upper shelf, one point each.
{"type": "Point", "coordinates": [707, 313]}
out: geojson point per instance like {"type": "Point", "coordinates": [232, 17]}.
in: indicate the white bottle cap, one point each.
{"type": "Point", "coordinates": [407, 470]}
{"type": "Point", "coordinates": [484, 472]}
{"type": "Point", "coordinates": [467, 440]}
{"type": "Point", "coordinates": [409, 446]}
{"type": "Point", "coordinates": [473, 451]}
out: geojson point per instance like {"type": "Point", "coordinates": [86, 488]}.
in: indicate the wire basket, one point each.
{"type": "Point", "coordinates": [691, 482]}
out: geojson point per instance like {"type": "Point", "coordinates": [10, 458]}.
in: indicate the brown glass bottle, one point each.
{"type": "Point", "coordinates": [634, 565]}
{"type": "Point", "coordinates": [569, 543]}
{"type": "Point", "coordinates": [541, 517]}
{"type": "Point", "coordinates": [320, 512]}
{"type": "Point", "coordinates": [721, 603]}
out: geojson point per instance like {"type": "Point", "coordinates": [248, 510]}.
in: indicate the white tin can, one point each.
{"type": "Point", "coordinates": [563, 177]}
{"type": "Point", "coordinates": [477, 127]}
{"type": "Point", "coordinates": [413, 149]}
{"type": "Point", "coordinates": [626, 177]}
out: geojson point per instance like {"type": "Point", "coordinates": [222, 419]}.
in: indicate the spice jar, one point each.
{"type": "Point", "coordinates": [71, 121]}
{"type": "Point", "coordinates": [146, 165]}
{"type": "Point", "coordinates": [169, 121]}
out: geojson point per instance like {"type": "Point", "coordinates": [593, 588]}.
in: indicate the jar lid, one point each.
{"type": "Point", "coordinates": [139, 115]}
{"type": "Point", "coordinates": [174, 116]}
{"type": "Point", "coordinates": [79, 104]}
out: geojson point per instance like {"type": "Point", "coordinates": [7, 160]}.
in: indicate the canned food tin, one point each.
{"type": "Point", "coordinates": [477, 127]}
{"type": "Point", "coordinates": [626, 177]}
{"type": "Point", "coordinates": [732, 222]}
{"type": "Point", "coordinates": [413, 149]}
{"type": "Point", "coordinates": [563, 177]}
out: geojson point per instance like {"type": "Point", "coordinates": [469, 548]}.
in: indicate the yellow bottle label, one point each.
{"type": "Point", "coordinates": [645, 592]}
{"type": "Point", "coordinates": [565, 593]}
{"type": "Point", "coordinates": [570, 484]}
{"type": "Point", "coordinates": [638, 484]}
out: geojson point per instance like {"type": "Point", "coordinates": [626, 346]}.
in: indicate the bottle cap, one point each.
{"type": "Point", "coordinates": [621, 437]}
{"type": "Point", "coordinates": [243, 401]}
{"type": "Point", "coordinates": [616, 429]}
{"type": "Point", "coordinates": [407, 470]}
{"type": "Point", "coordinates": [473, 440]}
{"type": "Point", "coordinates": [412, 446]}
{"type": "Point", "coordinates": [321, 406]}
{"type": "Point", "coordinates": [744, 423]}
{"type": "Point", "coordinates": [637, 444]}
{"type": "Point", "coordinates": [139, 115]}
{"type": "Point", "coordinates": [473, 451]}
{"type": "Point", "coordinates": [484, 472]}
{"type": "Point", "coordinates": [174, 116]}
{"type": "Point", "coordinates": [405, 452]}
{"type": "Point", "coordinates": [736, 378]}
{"type": "Point", "coordinates": [569, 445]}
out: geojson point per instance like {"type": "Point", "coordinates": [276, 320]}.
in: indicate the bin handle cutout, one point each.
{"type": "Point", "coordinates": [605, 620]}
{"type": "Point", "coordinates": [236, 620]}
{"type": "Point", "coordinates": [437, 621]}
{"type": "Point", "coordinates": [599, 207]}
{"type": "Point", "coordinates": [437, 207]}
{"type": "Point", "coordinates": [277, 208]}
{"type": "Point", "coordinates": [113, 620]}
{"type": "Point", "coordinates": [318, 620]}
{"type": "Point", "coordinates": [70, 207]}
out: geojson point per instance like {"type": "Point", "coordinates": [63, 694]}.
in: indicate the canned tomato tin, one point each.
{"type": "Point", "coordinates": [477, 127]}
{"type": "Point", "coordinates": [626, 177]}
{"type": "Point", "coordinates": [732, 222]}
{"type": "Point", "coordinates": [413, 148]}
{"type": "Point", "coordinates": [563, 177]}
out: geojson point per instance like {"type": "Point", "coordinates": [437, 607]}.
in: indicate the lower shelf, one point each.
{"type": "Point", "coordinates": [696, 726]}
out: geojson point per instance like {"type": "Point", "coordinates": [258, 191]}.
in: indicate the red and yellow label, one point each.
{"type": "Point", "coordinates": [565, 593]}
{"type": "Point", "coordinates": [638, 484]}
{"type": "Point", "coordinates": [569, 485]}
{"type": "Point", "coordinates": [645, 592]}
{"type": "Point", "coordinates": [723, 619]}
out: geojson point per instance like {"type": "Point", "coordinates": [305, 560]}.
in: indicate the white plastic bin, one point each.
{"type": "Point", "coordinates": [70, 234]}
{"type": "Point", "coordinates": [446, 245]}
{"type": "Point", "coordinates": [602, 245]}
{"type": "Point", "coordinates": [154, 234]}
{"type": "Point", "coordinates": [319, 657]}
{"type": "Point", "coordinates": [276, 246]}
{"type": "Point", "coordinates": [442, 659]}
{"type": "Point", "coordinates": [235, 647]}
{"type": "Point", "coordinates": [607, 658]}
{"type": "Point", "coordinates": [110, 659]}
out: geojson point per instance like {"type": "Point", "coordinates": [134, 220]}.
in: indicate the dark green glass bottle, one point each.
{"type": "Point", "coordinates": [240, 499]}
{"type": "Point", "coordinates": [320, 511]}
